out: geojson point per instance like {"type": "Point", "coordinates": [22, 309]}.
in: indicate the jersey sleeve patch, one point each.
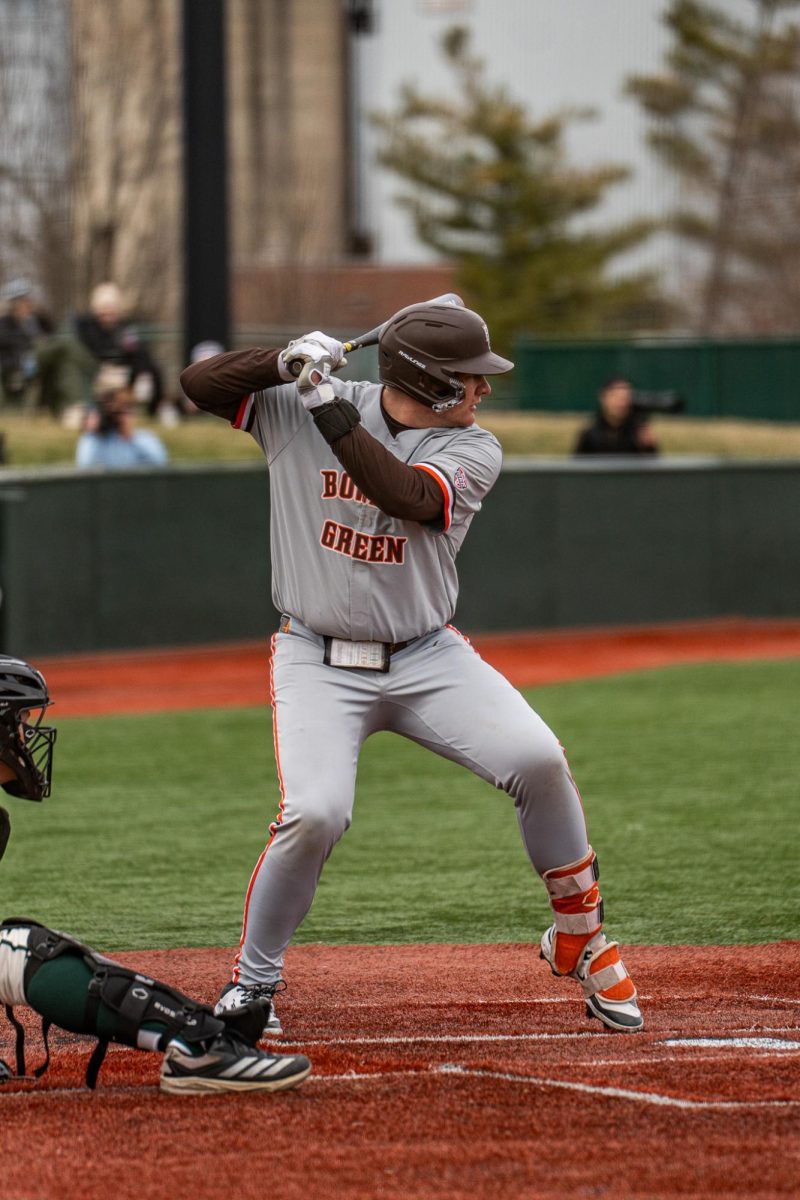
{"type": "Point", "coordinates": [460, 481]}
{"type": "Point", "coordinates": [244, 416]}
{"type": "Point", "coordinates": [447, 492]}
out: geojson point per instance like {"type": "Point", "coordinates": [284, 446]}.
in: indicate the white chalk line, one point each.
{"type": "Point", "coordinates": [759, 1030]}
{"type": "Point", "coordinates": [658, 1059]}
{"type": "Point", "coordinates": [782, 1045]}
{"type": "Point", "coordinates": [775, 999]}
{"type": "Point", "coordinates": [652, 1098]}
{"type": "Point", "coordinates": [450, 1069]}
{"type": "Point", "coordinates": [480, 1001]}
{"type": "Point", "coordinates": [416, 1038]}
{"type": "Point", "coordinates": [618, 1093]}
{"type": "Point", "coordinates": [489, 1002]}
{"type": "Point", "coordinates": [467, 1001]}
{"type": "Point", "coordinates": [411, 1039]}
{"type": "Point", "coordinates": [689, 1043]}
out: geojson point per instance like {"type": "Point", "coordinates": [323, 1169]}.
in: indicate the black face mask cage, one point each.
{"type": "Point", "coordinates": [38, 742]}
{"type": "Point", "coordinates": [31, 745]}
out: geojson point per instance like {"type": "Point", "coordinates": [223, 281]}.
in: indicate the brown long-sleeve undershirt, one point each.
{"type": "Point", "coordinates": [218, 385]}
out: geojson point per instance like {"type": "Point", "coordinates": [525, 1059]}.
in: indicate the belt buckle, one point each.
{"type": "Point", "coordinates": [357, 656]}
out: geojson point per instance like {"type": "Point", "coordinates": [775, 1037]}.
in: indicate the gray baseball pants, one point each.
{"type": "Point", "coordinates": [439, 693]}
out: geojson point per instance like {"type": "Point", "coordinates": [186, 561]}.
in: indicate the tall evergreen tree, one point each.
{"type": "Point", "coordinates": [725, 118]}
{"type": "Point", "coordinates": [492, 190]}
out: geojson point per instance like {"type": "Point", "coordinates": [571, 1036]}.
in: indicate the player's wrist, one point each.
{"type": "Point", "coordinates": [314, 386]}
{"type": "Point", "coordinates": [336, 419]}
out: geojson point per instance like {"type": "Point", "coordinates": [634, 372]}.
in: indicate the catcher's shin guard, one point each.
{"type": "Point", "coordinates": [115, 1004]}
{"type": "Point", "coordinates": [575, 945]}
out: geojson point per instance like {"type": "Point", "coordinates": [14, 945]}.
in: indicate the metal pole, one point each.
{"type": "Point", "coordinates": [205, 243]}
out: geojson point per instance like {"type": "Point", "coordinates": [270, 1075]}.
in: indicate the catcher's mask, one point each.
{"type": "Point", "coordinates": [26, 745]}
{"type": "Point", "coordinates": [424, 348]}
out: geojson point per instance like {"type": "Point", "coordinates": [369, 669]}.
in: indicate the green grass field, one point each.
{"type": "Point", "coordinates": [689, 777]}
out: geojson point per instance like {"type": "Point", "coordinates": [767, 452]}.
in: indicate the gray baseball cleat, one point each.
{"type": "Point", "coordinates": [607, 986]}
{"type": "Point", "coordinates": [230, 1063]}
{"type": "Point", "coordinates": [237, 995]}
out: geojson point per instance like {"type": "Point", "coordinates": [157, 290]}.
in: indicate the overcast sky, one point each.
{"type": "Point", "coordinates": [550, 54]}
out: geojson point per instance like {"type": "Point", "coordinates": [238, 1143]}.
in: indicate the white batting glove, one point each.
{"type": "Point", "coordinates": [310, 348]}
{"type": "Point", "coordinates": [313, 385]}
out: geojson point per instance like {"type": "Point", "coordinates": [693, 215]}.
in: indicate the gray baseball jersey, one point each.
{"type": "Point", "coordinates": [339, 564]}
{"type": "Point", "coordinates": [343, 568]}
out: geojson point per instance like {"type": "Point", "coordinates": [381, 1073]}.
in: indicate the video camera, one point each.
{"type": "Point", "coordinates": [112, 407]}
{"type": "Point", "coordinates": [660, 403]}
{"type": "Point", "coordinates": [109, 419]}
{"type": "Point", "coordinates": [111, 396]}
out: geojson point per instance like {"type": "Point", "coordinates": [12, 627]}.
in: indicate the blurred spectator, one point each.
{"type": "Point", "coordinates": [109, 339]}
{"type": "Point", "coordinates": [38, 365]}
{"type": "Point", "coordinates": [617, 427]}
{"type": "Point", "coordinates": [111, 439]}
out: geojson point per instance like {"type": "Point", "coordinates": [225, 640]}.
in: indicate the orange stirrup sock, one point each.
{"type": "Point", "coordinates": [577, 908]}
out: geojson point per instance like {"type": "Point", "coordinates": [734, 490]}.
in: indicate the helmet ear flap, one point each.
{"type": "Point", "coordinates": [437, 394]}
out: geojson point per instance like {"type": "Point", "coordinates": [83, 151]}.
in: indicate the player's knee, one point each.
{"type": "Point", "coordinates": [319, 828]}
{"type": "Point", "coordinates": [540, 767]}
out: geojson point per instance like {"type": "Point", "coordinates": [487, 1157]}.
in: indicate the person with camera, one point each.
{"type": "Point", "coordinates": [619, 426]}
{"type": "Point", "coordinates": [111, 439]}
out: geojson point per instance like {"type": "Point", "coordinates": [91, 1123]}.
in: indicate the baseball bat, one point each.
{"type": "Point", "coordinates": [372, 337]}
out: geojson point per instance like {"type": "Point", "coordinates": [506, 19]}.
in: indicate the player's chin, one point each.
{"type": "Point", "coordinates": [467, 416]}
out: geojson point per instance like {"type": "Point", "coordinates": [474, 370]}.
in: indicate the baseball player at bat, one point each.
{"type": "Point", "coordinates": [373, 489]}
{"type": "Point", "coordinates": [72, 986]}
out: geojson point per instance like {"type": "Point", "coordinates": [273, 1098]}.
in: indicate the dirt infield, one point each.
{"type": "Point", "coordinates": [225, 676]}
{"type": "Point", "coordinates": [451, 1072]}
{"type": "Point", "coordinates": [440, 1072]}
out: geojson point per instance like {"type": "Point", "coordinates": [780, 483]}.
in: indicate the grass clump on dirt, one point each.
{"type": "Point", "coordinates": [688, 776]}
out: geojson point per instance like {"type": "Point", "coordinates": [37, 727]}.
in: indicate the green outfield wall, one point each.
{"type": "Point", "coordinates": [731, 378]}
{"type": "Point", "coordinates": [180, 556]}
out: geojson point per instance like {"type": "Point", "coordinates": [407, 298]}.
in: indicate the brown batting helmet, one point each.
{"type": "Point", "coordinates": [424, 348]}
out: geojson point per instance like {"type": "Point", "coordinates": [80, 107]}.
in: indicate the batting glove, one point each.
{"type": "Point", "coordinates": [312, 348]}
{"type": "Point", "coordinates": [313, 385]}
